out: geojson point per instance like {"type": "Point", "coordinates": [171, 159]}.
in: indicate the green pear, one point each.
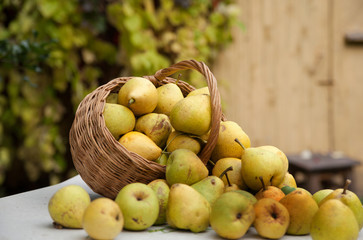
{"type": "Point", "coordinates": [258, 162]}
{"type": "Point", "coordinates": [321, 194]}
{"type": "Point", "coordinates": [118, 119]}
{"type": "Point", "coordinates": [350, 199]}
{"type": "Point", "coordinates": [302, 208]}
{"type": "Point", "coordinates": [187, 209]}
{"type": "Point", "coordinates": [67, 205]}
{"type": "Point", "coordinates": [334, 221]}
{"type": "Point", "coordinates": [232, 215]}
{"type": "Point", "coordinates": [184, 166]}
{"type": "Point", "coordinates": [138, 94]}
{"type": "Point", "coordinates": [103, 219]}
{"type": "Point", "coordinates": [192, 115]}
{"type": "Point", "coordinates": [161, 189]}
{"type": "Point", "coordinates": [168, 95]}
{"type": "Point", "coordinates": [226, 145]}
{"type": "Point", "coordinates": [177, 140]}
{"type": "Point", "coordinates": [162, 159]}
{"type": "Point", "coordinates": [139, 206]}
{"type": "Point", "coordinates": [210, 187]}
{"type": "Point", "coordinates": [156, 126]}
{"type": "Point", "coordinates": [112, 98]}
{"type": "Point", "coordinates": [202, 90]}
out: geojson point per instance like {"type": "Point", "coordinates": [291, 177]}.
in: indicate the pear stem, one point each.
{"type": "Point", "coordinates": [239, 142]}
{"type": "Point", "coordinates": [211, 162]}
{"type": "Point", "coordinates": [131, 101]}
{"type": "Point", "coordinates": [347, 182]}
{"type": "Point", "coordinates": [224, 173]}
{"type": "Point", "coordinates": [263, 183]}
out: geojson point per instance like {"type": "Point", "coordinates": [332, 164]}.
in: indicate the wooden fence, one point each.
{"type": "Point", "coordinates": [292, 80]}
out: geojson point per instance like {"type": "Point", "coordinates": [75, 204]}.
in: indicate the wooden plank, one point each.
{"type": "Point", "coordinates": [348, 85]}
{"type": "Point", "coordinates": [269, 78]}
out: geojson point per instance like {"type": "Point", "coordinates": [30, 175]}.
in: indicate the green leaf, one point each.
{"type": "Point", "coordinates": [288, 189]}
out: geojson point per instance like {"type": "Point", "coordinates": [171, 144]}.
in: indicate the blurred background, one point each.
{"type": "Point", "coordinates": [289, 72]}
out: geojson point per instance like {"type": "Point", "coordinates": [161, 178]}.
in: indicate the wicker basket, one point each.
{"type": "Point", "coordinates": [102, 162]}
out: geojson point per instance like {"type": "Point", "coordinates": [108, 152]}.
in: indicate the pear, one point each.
{"type": "Point", "coordinates": [162, 190]}
{"type": "Point", "coordinates": [321, 194]}
{"type": "Point", "coordinates": [251, 198]}
{"type": "Point", "coordinates": [288, 180]}
{"type": "Point", "coordinates": [141, 144]}
{"type": "Point", "coordinates": [232, 215]}
{"type": "Point", "coordinates": [177, 140]}
{"type": "Point", "coordinates": [258, 162]}
{"type": "Point", "coordinates": [163, 158]}
{"type": "Point", "coordinates": [334, 221]}
{"type": "Point", "coordinates": [67, 205]}
{"type": "Point", "coordinates": [280, 153]}
{"type": "Point", "coordinates": [235, 175]}
{"type": "Point", "coordinates": [210, 187]}
{"type": "Point", "coordinates": [184, 166]}
{"type": "Point", "coordinates": [302, 208]}
{"type": "Point", "coordinates": [269, 192]}
{"type": "Point", "coordinates": [226, 145]}
{"type": "Point", "coordinates": [187, 209]}
{"type": "Point", "coordinates": [138, 94]}
{"type": "Point", "coordinates": [202, 90]}
{"type": "Point", "coordinates": [112, 98]}
{"type": "Point", "coordinates": [168, 95]}
{"type": "Point", "coordinates": [192, 115]}
{"type": "Point", "coordinates": [118, 119]}
{"type": "Point", "coordinates": [350, 199]}
{"type": "Point", "coordinates": [103, 219]}
{"type": "Point", "coordinates": [156, 126]}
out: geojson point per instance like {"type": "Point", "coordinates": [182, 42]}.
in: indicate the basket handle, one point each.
{"type": "Point", "coordinates": [214, 95]}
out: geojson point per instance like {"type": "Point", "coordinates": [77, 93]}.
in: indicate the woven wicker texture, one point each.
{"type": "Point", "coordinates": [102, 162]}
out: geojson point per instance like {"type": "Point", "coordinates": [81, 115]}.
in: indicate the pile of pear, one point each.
{"type": "Point", "coordinates": [243, 187]}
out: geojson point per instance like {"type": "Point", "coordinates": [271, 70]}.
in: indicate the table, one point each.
{"type": "Point", "coordinates": [25, 216]}
{"type": "Point", "coordinates": [315, 165]}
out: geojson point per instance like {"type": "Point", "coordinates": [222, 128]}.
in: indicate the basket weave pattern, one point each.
{"type": "Point", "coordinates": [102, 162]}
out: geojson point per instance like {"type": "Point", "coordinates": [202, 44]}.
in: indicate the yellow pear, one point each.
{"type": "Point", "coordinates": [156, 126]}
{"type": "Point", "coordinates": [168, 95]}
{"type": "Point", "coordinates": [288, 180]}
{"type": "Point", "coordinates": [141, 144]}
{"type": "Point", "coordinates": [118, 119]}
{"type": "Point", "coordinates": [280, 153]}
{"type": "Point", "coordinates": [203, 90]}
{"type": "Point", "coordinates": [235, 175]}
{"type": "Point", "coordinates": [192, 115]}
{"type": "Point", "coordinates": [226, 145]}
{"type": "Point", "coordinates": [138, 94]}
{"type": "Point", "coordinates": [178, 140]}
{"type": "Point", "coordinates": [302, 208]}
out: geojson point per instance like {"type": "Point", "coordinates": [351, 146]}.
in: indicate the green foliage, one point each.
{"type": "Point", "coordinates": [65, 49]}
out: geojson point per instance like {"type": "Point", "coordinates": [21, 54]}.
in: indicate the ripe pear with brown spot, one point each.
{"type": "Point", "coordinates": [162, 190]}
{"type": "Point", "coordinates": [156, 126]}
{"type": "Point", "coordinates": [226, 145]}
{"type": "Point", "coordinates": [192, 115]}
{"type": "Point", "coordinates": [138, 94]}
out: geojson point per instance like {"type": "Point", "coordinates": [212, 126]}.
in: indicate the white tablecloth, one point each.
{"type": "Point", "coordinates": [25, 216]}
